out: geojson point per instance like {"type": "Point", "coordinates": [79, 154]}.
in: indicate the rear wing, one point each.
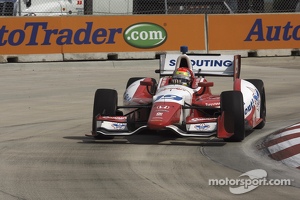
{"type": "Point", "coordinates": [202, 64]}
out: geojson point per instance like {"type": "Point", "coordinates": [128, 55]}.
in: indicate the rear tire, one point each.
{"type": "Point", "coordinates": [233, 106]}
{"type": "Point", "coordinates": [105, 103]}
{"type": "Point", "coordinates": [259, 84]}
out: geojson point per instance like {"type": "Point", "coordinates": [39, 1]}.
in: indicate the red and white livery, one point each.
{"type": "Point", "coordinates": [188, 111]}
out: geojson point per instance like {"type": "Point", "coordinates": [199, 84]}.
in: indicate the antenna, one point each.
{"type": "Point", "coordinates": [184, 49]}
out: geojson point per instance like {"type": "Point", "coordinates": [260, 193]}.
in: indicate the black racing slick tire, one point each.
{"type": "Point", "coordinates": [259, 84]}
{"type": "Point", "coordinates": [105, 103]}
{"type": "Point", "coordinates": [232, 105]}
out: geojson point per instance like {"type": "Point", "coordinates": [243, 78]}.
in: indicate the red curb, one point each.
{"type": "Point", "coordinates": [282, 139]}
{"type": "Point", "coordinates": [286, 153]}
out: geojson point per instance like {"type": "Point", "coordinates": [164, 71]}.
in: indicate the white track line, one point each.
{"type": "Point", "coordinates": [293, 161]}
{"type": "Point", "coordinates": [283, 145]}
{"type": "Point", "coordinates": [284, 133]}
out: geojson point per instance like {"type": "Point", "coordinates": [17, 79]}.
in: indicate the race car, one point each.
{"type": "Point", "coordinates": [189, 109]}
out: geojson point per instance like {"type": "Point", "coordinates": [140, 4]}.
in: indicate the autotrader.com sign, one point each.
{"type": "Point", "coordinates": [36, 35]}
{"type": "Point", "coordinates": [142, 35]}
{"type": "Point", "coordinates": [145, 35]}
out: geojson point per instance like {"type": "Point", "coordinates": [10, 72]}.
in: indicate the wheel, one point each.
{"type": "Point", "coordinates": [259, 84]}
{"type": "Point", "coordinates": [105, 103]}
{"type": "Point", "coordinates": [233, 106]}
{"type": "Point", "coordinates": [133, 79]}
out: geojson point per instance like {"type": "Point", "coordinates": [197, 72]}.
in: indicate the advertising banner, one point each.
{"type": "Point", "coordinates": [253, 31]}
{"type": "Point", "coordinates": [28, 35]}
{"type": "Point", "coordinates": [86, 34]}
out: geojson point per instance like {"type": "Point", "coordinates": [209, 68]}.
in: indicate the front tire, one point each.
{"type": "Point", "coordinates": [232, 105]}
{"type": "Point", "coordinates": [105, 104]}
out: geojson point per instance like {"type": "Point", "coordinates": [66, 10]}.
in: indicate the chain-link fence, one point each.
{"type": "Point", "coordinates": [136, 7]}
{"type": "Point", "coordinates": [192, 6]}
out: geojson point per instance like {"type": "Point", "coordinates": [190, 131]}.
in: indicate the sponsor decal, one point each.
{"type": "Point", "coordinates": [145, 35]}
{"type": "Point", "coordinates": [163, 110]}
{"type": "Point", "coordinates": [127, 97]}
{"type": "Point", "coordinates": [157, 119]}
{"type": "Point", "coordinates": [169, 97]}
{"type": "Point", "coordinates": [206, 63]}
{"type": "Point", "coordinates": [212, 104]}
{"type": "Point", "coordinates": [286, 32]}
{"type": "Point", "coordinates": [141, 35]}
{"type": "Point", "coordinates": [159, 114]}
{"type": "Point", "coordinates": [164, 107]}
{"type": "Point", "coordinates": [202, 119]}
{"type": "Point", "coordinates": [254, 101]}
{"type": "Point", "coordinates": [249, 107]}
{"type": "Point", "coordinates": [201, 127]}
{"type": "Point", "coordinates": [32, 30]}
{"type": "Point", "coordinates": [119, 126]}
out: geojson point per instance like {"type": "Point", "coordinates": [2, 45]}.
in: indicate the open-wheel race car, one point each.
{"type": "Point", "coordinates": [182, 102]}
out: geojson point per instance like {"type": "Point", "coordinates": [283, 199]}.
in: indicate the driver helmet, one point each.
{"type": "Point", "coordinates": [182, 76]}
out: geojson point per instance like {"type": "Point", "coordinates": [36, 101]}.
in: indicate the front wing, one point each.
{"type": "Point", "coordinates": [118, 126]}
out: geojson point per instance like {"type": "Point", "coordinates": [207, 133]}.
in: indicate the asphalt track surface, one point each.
{"type": "Point", "coordinates": [46, 110]}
